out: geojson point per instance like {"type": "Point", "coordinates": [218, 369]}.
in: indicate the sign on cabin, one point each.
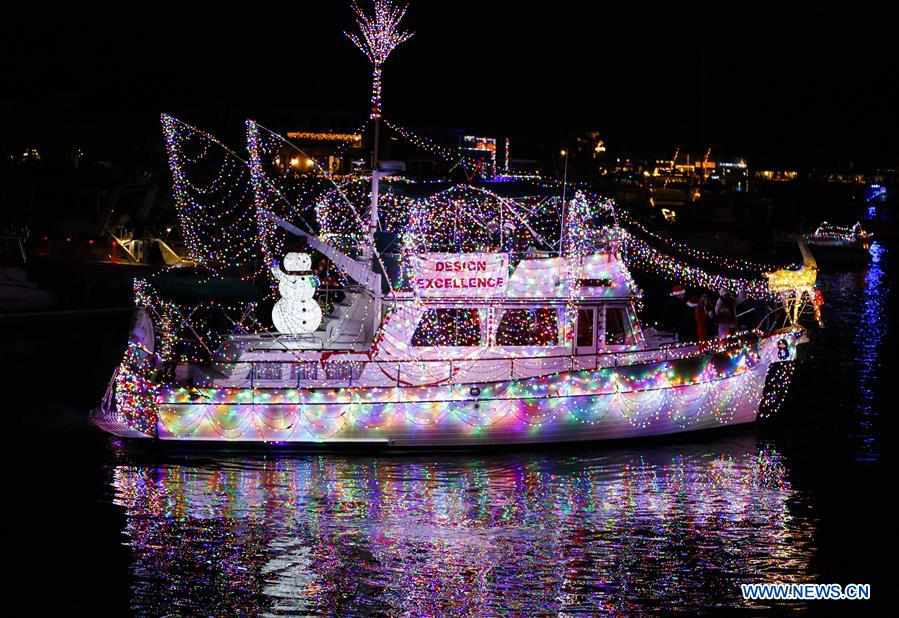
{"type": "Point", "coordinates": [460, 275]}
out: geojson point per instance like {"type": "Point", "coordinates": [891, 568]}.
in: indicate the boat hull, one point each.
{"type": "Point", "coordinates": [600, 404]}
{"type": "Point", "coordinates": [841, 255]}
{"type": "Point", "coordinates": [469, 422]}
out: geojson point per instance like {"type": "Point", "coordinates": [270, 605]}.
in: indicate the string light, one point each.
{"type": "Point", "coordinates": [703, 390]}
{"type": "Point", "coordinates": [679, 248]}
{"type": "Point", "coordinates": [379, 34]}
{"type": "Point", "coordinates": [642, 256]}
{"type": "Point", "coordinates": [214, 196]}
{"type": "Point", "coordinates": [452, 156]}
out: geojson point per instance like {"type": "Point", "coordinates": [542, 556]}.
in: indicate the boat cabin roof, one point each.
{"type": "Point", "coordinates": [597, 276]}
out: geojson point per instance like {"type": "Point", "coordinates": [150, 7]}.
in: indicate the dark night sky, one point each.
{"type": "Point", "coordinates": [807, 87]}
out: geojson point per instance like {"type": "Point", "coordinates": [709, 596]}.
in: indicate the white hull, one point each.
{"type": "Point", "coordinates": [564, 407]}
{"type": "Point", "coordinates": [731, 401]}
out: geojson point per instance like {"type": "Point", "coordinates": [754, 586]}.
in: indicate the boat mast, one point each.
{"type": "Point", "coordinates": [368, 250]}
{"type": "Point", "coordinates": [379, 34]}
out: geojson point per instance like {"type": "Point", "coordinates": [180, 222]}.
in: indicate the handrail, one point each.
{"type": "Point", "coordinates": [701, 347]}
{"type": "Point", "coordinates": [356, 367]}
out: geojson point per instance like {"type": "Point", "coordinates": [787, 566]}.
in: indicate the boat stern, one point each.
{"type": "Point", "coordinates": [129, 406]}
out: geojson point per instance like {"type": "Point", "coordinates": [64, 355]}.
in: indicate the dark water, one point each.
{"type": "Point", "coordinates": [636, 528]}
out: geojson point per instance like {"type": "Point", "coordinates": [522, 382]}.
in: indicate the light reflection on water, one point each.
{"type": "Point", "coordinates": [604, 531]}
{"type": "Point", "coordinates": [869, 339]}
{"type": "Point", "coordinates": [847, 373]}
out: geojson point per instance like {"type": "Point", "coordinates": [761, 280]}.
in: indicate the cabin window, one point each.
{"type": "Point", "coordinates": [448, 327]}
{"type": "Point", "coordinates": [618, 331]}
{"type": "Point", "coordinates": [585, 328]}
{"type": "Point", "coordinates": [528, 327]}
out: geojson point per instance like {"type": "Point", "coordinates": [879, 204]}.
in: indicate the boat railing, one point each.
{"type": "Point", "coordinates": [355, 372]}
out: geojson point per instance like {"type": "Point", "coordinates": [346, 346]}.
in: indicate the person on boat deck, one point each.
{"type": "Point", "coordinates": [673, 310]}
{"type": "Point", "coordinates": [703, 318]}
{"type": "Point", "coordinates": [687, 331]}
{"type": "Point", "coordinates": [331, 285]}
{"type": "Point", "coordinates": [726, 314]}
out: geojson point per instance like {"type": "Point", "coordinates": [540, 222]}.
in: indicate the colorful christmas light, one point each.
{"type": "Point", "coordinates": [214, 197]}
{"type": "Point", "coordinates": [452, 156]}
{"type": "Point", "coordinates": [379, 34]}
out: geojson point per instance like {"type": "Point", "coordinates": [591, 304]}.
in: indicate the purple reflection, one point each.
{"type": "Point", "coordinates": [609, 531]}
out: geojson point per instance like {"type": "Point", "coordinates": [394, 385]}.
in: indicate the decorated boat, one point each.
{"type": "Point", "coordinates": [830, 235]}
{"type": "Point", "coordinates": [840, 243]}
{"type": "Point", "coordinates": [457, 317]}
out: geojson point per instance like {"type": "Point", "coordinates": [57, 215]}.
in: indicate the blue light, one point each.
{"type": "Point", "coordinates": [870, 335]}
{"type": "Point", "coordinates": [875, 193]}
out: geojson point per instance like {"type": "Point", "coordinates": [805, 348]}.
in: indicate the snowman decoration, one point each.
{"type": "Point", "coordinates": [296, 313]}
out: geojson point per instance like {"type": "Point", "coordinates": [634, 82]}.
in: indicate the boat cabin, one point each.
{"type": "Point", "coordinates": [551, 306]}
{"type": "Point", "coordinates": [466, 318]}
